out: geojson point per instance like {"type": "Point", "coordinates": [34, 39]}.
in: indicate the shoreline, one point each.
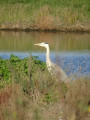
{"type": "Point", "coordinates": [28, 28]}
{"type": "Point", "coordinates": [44, 30]}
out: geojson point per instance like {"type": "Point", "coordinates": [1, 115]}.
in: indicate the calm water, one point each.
{"type": "Point", "coordinates": [69, 50]}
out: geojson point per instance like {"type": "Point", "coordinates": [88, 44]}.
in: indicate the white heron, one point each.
{"type": "Point", "coordinates": [53, 68]}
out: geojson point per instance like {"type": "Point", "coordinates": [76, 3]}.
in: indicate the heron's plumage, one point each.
{"type": "Point", "coordinates": [53, 68]}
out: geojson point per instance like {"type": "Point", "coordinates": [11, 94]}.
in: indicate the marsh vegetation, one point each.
{"type": "Point", "coordinates": [29, 92]}
{"type": "Point", "coordinates": [71, 15]}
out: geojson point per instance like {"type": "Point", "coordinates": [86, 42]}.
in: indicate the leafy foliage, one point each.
{"type": "Point", "coordinates": [4, 71]}
{"type": "Point", "coordinates": [18, 67]}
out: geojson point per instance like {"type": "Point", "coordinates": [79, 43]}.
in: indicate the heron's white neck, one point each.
{"type": "Point", "coordinates": [48, 61]}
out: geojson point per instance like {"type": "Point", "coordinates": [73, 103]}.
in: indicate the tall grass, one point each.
{"type": "Point", "coordinates": [34, 94]}
{"type": "Point", "coordinates": [45, 14]}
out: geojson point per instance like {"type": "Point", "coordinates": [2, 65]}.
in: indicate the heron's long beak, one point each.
{"type": "Point", "coordinates": [39, 44]}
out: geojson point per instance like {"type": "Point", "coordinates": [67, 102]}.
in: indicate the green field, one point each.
{"type": "Point", "coordinates": [45, 14]}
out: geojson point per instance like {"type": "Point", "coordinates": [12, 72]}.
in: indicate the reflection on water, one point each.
{"type": "Point", "coordinates": [22, 41]}
{"type": "Point", "coordinates": [71, 51]}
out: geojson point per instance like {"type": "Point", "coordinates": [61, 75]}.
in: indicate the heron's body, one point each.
{"type": "Point", "coordinates": [53, 68]}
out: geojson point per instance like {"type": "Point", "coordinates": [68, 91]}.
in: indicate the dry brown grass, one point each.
{"type": "Point", "coordinates": [14, 106]}
{"type": "Point", "coordinates": [5, 95]}
{"type": "Point", "coordinates": [72, 104]}
{"type": "Point", "coordinates": [43, 19]}
{"type": "Point", "coordinates": [76, 100]}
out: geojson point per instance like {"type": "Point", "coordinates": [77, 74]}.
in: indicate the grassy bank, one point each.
{"type": "Point", "coordinates": [29, 92]}
{"type": "Point", "coordinates": [71, 15]}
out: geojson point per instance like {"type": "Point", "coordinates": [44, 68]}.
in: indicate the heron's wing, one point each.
{"type": "Point", "coordinates": [58, 71]}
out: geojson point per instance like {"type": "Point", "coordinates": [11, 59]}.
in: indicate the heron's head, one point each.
{"type": "Point", "coordinates": [43, 44]}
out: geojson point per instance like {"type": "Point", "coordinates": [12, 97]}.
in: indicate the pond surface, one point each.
{"type": "Point", "coordinates": [69, 50]}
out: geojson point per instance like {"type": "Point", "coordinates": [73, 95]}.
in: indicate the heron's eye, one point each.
{"type": "Point", "coordinates": [45, 43]}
